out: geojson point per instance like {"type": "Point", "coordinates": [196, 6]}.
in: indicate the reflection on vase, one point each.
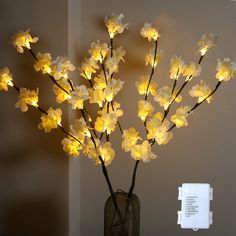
{"type": "Point", "coordinates": [129, 223]}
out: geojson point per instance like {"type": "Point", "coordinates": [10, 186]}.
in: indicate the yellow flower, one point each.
{"type": "Point", "coordinates": [142, 86]}
{"type": "Point", "coordinates": [119, 53]}
{"type": "Point", "coordinates": [71, 146]}
{"type": "Point", "coordinates": [206, 42]}
{"type": "Point", "coordinates": [51, 120]}
{"type": "Point", "coordinates": [80, 130]}
{"type": "Point", "coordinates": [23, 39]}
{"type": "Point", "coordinates": [145, 109]}
{"type": "Point", "coordinates": [180, 117]}
{"type": "Point", "coordinates": [96, 95]}
{"type": "Point", "coordinates": [149, 58]}
{"type": "Point", "coordinates": [164, 97]}
{"type": "Point", "coordinates": [43, 63]}
{"type": "Point", "coordinates": [99, 82]}
{"type": "Point", "coordinates": [61, 95]}
{"type": "Point", "coordinates": [142, 152]}
{"type": "Point", "coordinates": [99, 124]}
{"type": "Point", "coordinates": [61, 67]}
{"type": "Point", "coordinates": [78, 97]}
{"type": "Point", "coordinates": [90, 151]}
{"type": "Point", "coordinates": [112, 63]}
{"type": "Point", "coordinates": [158, 130]}
{"type": "Point", "coordinates": [114, 109]}
{"type": "Point", "coordinates": [177, 67]}
{"type": "Point", "coordinates": [106, 152]}
{"type": "Point", "coordinates": [150, 32]}
{"type": "Point", "coordinates": [192, 70]}
{"type": "Point", "coordinates": [5, 79]}
{"type": "Point", "coordinates": [113, 88]}
{"type": "Point", "coordinates": [201, 90]}
{"type": "Point", "coordinates": [115, 24]}
{"type": "Point", "coordinates": [98, 51]}
{"type": "Point", "coordinates": [225, 70]}
{"type": "Point", "coordinates": [129, 138]}
{"type": "Point", "coordinates": [88, 67]}
{"type": "Point", "coordinates": [106, 122]}
{"type": "Point", "coordinates": [27, 97]}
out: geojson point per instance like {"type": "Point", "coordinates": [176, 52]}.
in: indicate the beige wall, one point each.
{"type": "Point", "coordinates": [33, 168]}
{"type": "Point", "coordinates": [203, 152]}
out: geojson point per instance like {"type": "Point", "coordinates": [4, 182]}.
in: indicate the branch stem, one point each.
{"type": "Point", "coordinates": [153, 70]}
{"type": "Point", "coordinates": [105, 173]}
{"type": "Point", "coordinates": [180, 90]}
{"type": "Point", "coordinates": [198, 104]}
{"type": "Point", "coordinates": [174, 86]}
{"type": "Point", "coordinates": [50, 76]}
{"type": "Point", "coordinates": [213, 91]}
{"type": "Point", "coordinates": [133, 179]}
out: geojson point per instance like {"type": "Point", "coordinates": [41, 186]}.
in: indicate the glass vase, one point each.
{"type": "Point", "coordinates": [129, 224]}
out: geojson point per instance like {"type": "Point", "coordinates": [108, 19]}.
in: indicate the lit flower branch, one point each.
{"type": "Point", "coordinates": [91, 135]}
{"type": "Point", "coordinates": [189, 71]}
{"type": "Point", "coordinates": [51, 119]}
{"type": "Point", "coordinates": [157, 127]}
{"type": "Point", "coordinates": [58, 72]}
{"type": "Point", "coordinates": [101, 153]}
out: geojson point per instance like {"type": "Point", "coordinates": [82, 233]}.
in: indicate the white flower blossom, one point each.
{"type": "Point", "coordinates": [115, 24]}
{"type": "Point", "coordinates": [150, 32]}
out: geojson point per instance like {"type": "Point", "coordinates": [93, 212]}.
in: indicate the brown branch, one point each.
{"type": "Point", "coordinates": [180, 90]}
{"type": "Point", "coordinates": [153, 70]}
{"type": "Point", "coordinates": [105, 173]}
{"type": "Point", "coordinates": [133, 179]}
{"type": "Point", "coordinates": [50, 76]}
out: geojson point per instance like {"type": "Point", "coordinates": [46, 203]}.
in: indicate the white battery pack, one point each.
{"type": "Point", "coordinates": [195, 206]}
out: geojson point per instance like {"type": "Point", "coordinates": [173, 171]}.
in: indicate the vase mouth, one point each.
{"type": "Point", "coordinates": [121, 191]}
{"type": "Point", "coordinates": [123, 194]}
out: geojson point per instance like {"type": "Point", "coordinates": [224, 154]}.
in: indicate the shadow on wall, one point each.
{"type": "Point", "coordinates": [30, 216]}
{"type": "Point", "coordinates": [33, 166]}
{"type": "Point", "coordinates": [31, 201]}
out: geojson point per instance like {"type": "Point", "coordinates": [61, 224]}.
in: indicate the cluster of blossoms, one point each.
{"type": "Point", "coordinates": [99, 71]}
{"type": "Point", "coordinates": [27, 97]}
{"type": "Point", "coordinates": [50, 120]}
{"type": "Point", "coordinates": [58, 68]}
{"type": "Point", "coordinates": [6, 79]}
{"type": "Point", "coordinates": [115, 24]}
{"type": "Point", "coordinates": [22, 40]}
{"type": "Point", "coordinates": [207, 41]}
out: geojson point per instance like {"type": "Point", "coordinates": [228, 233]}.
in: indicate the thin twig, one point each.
{"type": "Point", "coordinates": [44, 112]}
{"type": "Point", "coordinates": [198, 104]}
{"type": "Point", "coordinates": [180, 90]}
{"type": "Point", "coordinates": [103, 68]}
{"type": "Point", "coordinates": [71, 84]}
{"type": "Point", "coordinates": [102, 162]}
{"type": "Point", "coordinates": [133, 179]}
{"type": "Point", "coordinates": [91, 123]}
{"type": "Point", "coordinates": [105, 173]}
{"type": "Point", "coordinates": [195, 106]}
{"type": "Point", "coordinates": [119, 125]}
{"type": "Point", "coordinates": [174, 85]}
{"type": "Point", "coordinates": [50, 76]}
{"type": "Point", "coordinates": [111, 47]}
{"type": "Point", "coordinates": [146, 95]}
{"type": "Point", "coordinates": [153, 70]}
